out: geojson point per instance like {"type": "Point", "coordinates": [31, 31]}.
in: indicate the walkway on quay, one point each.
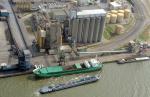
{"type": "Point", "coordinates": [15, 28]}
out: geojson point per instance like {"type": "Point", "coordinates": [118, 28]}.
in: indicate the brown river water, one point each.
{"type": "Point", "coordinates": [128, 80]}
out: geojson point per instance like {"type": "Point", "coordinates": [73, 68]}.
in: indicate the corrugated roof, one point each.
{"type": "Point", "coordinates": [92, 12]}
{"type": "Point", "coordinates": [115, 4]}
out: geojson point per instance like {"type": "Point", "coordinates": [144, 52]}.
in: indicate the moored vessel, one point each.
{"type": "Point", "coordinates": [70, 84]}
{"type": "Point", "coordinates": [123, 61]}
{"type": "Point", "coordinates": [55, 71]}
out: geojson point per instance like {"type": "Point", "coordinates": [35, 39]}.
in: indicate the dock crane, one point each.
{"type": "Point", "coordinates": [24, 60]}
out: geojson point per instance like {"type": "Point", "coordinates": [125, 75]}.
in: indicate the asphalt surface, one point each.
{"type": "Point", "coordinates": [14, 27]}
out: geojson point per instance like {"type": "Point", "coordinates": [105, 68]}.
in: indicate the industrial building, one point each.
{"type": "Point", "coordinates": [58, 22]}
{"type": "Point", "coordinates": [87, 26]}
{"type": "Point", "coordinates": [33, 1]}
{"type": "Point", "coordinates": [81, 24]}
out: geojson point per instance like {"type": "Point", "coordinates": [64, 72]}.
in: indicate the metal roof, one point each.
{"type": "Point", "coordinates": [115, 4]}
{"type": "Point", "coordinates": [91, 13]}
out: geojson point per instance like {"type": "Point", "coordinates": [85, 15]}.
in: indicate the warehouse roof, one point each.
{"type": "Point", "coordinates": [91, 13]}
{"type": "Point", "coordinates": [115, 4]}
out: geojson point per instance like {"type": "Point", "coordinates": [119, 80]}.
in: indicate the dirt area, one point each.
{"type": "Point", "coordinates": [3, 44]}
{"type": "Point", "coordinates": [145, 36]}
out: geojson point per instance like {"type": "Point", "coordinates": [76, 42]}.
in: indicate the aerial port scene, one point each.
{"type": "Point", "coordinates": [74, 48]}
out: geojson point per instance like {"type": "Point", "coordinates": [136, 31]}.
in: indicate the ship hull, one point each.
{"type": "Point", "coordinates": [68, 72]}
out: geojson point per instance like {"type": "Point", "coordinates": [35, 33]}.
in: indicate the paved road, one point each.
{"type": "Point", "coordinates": [141, 21]}
{"type": "Point", "coordinates": [15, 30]}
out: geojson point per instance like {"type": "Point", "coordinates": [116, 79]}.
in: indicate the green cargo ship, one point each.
{"type": "Point", "coordinates": [56, 71]}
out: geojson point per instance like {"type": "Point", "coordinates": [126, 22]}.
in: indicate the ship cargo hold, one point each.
{"type": "Point", "coordinates": [70, 84]}
{"type": "Point", "coordinates": [56, 71]}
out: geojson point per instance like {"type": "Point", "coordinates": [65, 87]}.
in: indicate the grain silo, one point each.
{"type": "Point", "coordinates": [41, 38]}
{"type": "Point", "coordinates": [121, 11]}
{"type": "Point", "coordinates": [119, 29]}
{"type": "Point", "coordinates": [96, 29]}
{"type": "Point", "coordinates": [87, 29]}
{"type": "Point", "coordinates": [114, 11]}
{"type": "Point", "coordinates": [127, 13]}
{"type": "Point", "coordinates": [102, 26]}
{"type": "Point", "coordinates": [91, 30]}
{"type": "Point", "coordinates": [120, 17]}
{"type": "Point", "coordinates": [113, 18]}
{"type": "Point", "coordinates": [108, 19]}
{"type": "Point", "coordinates": [53, 32]}
{"type": "Point", "coordinates": [80, 30]}
{"type": "Point", "coordinates": [75, 24]}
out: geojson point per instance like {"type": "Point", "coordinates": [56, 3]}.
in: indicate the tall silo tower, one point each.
{"type": "Point", "coordinates": [87, 26]}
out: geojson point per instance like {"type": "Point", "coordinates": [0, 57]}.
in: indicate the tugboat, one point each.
{"type": "Point", "coordinates": [123, 61]}
{"type": "Point", "coordinates": [70, 84]}
{"type": "Point", "coordinates": [55, 71]}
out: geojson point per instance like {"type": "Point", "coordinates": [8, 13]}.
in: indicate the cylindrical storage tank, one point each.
{"type": "Point", "coordinates": [91, 30]}
{"type": "Point", "coordinates": [113, 18]}
{"type": "Point", "coordinates": [119, 29]}
{"type": "Point", "coordinates": [108, 19]}
{"type": "Point", "coordinates": [120, 17]}
{"type": "Point", "coordinates": [108, 13]}
{"type": "Point", "coordinates": [97, 29]}
{"type": "Point", "coordinates": [114, 11]}
{"type": "Point", "coordinates": [75, 24]}
{"type": "Point", "coordinates": [102, 27]}
{"type": "Point", "coordinates": [86, 29]}
{"type": "Point", "coordinates": [80, 25]}
{"type": "Point", "coordinates": [127, 13]}
{"type": "Point", "coordinates": [121, 11]}
{"type": "Point", "coordinates": [41, 38]}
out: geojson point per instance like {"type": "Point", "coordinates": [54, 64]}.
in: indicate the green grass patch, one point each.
{"type": "Point", "coordinates": [109, 30]}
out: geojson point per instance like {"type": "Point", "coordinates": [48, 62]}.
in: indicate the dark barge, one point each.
{"type": "Point", "coordinates": [70, 84]}
{"type": "Point", "coordinates": [123, 61]}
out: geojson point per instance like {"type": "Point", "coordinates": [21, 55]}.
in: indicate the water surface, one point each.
{"type": "Point", "coordinates": [128, 80]}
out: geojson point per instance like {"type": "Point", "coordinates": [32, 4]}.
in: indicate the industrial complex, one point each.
{"type": "Point", "coordinates": [66, 31]}
{"type": "Point", "coordinates": [55, 23]}
{"type": "Point", "coordinates": [59, 42]}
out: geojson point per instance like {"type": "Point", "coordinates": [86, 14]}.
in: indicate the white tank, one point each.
{"type": "Point", "coordinates": [113, 18]}
{"type": "Point", "coordinates": [114, 11]}
{"type": "Point", "coordinates": [127, 13]}
{"type": "Point", "coordinates": [121, 11]}
{"type": "Point", "coordinates": [108, 19]}
{"type": "Point", "coordinates": [120, 17]}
